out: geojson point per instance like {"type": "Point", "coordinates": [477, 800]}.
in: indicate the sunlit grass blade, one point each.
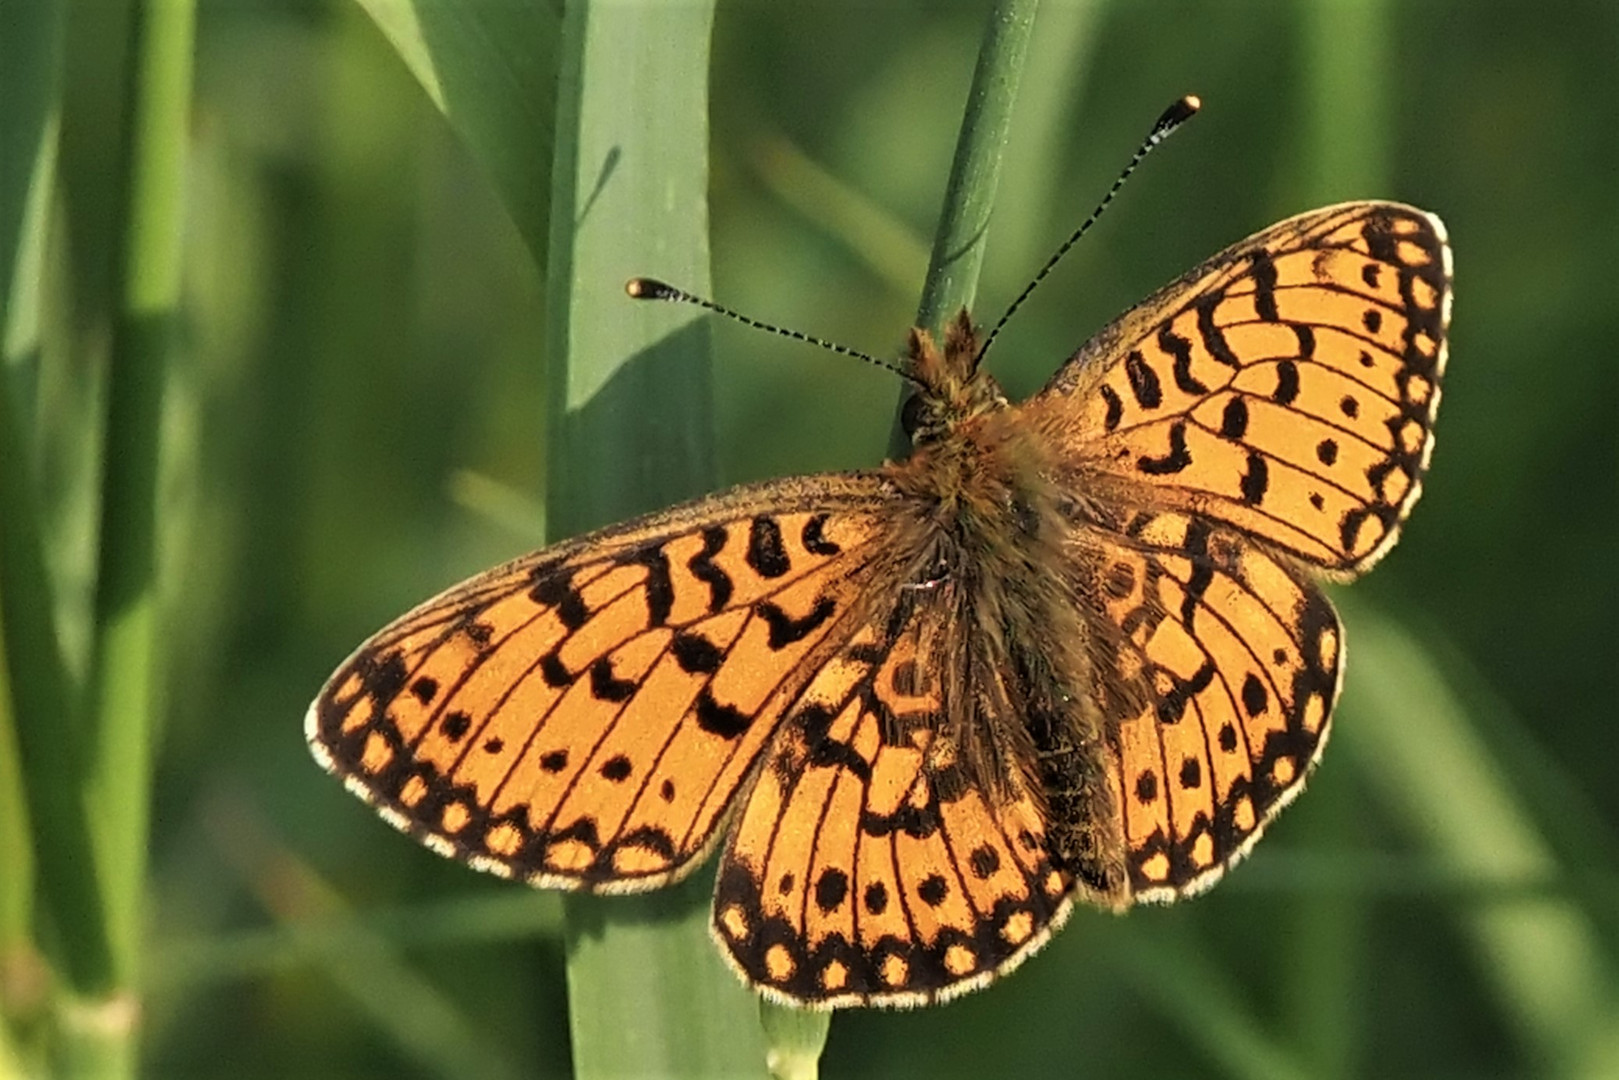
{"type": "Point", "coordinates": [794, 1040]}
{"type": "Point", "coordinates": [630, 427]}
{"type": "Point", "coordinates": [969, 196]}
{"type": "Point", "coordinates": [491, 69]}
{"type": "Point", "coordinates": [125, 661]}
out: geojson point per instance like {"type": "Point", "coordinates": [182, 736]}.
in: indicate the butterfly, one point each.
{"type": "Point", "coordinates": [1069, 649]}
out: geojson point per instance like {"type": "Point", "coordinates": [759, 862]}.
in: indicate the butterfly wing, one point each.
{"type": "Point", "coordinates": [1268, 414]}
{"type": "Point", "coordinates": [1287, 387]}
{"type": "Point", "coordinates": [1241, 655]}
{"type": "Point", "coordinates": [863, 869]}
{"type": "Point", "coordinates": [583, 717]}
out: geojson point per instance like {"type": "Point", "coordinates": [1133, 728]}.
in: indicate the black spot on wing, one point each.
{"type": "Point", "coordinates": [716, 718]}
{"type": "Point", "coordinates": [786, 630]}
{"type": "Point", "coordinates": [554, 589]}
{"type": "Point", "coordinates": [1202, 576]}
{"type": "Point", "coordinates": [831, 889]}
{"type": "Point", "coordinates": [695, 654]}
{"type": "Point", "coordinates": [455, 725]}
{"type": "Point", "coordinates": [984, 861]}
{"type": "Point", "coordinates": [1264, 270]}
{"type": "Point", "coordinates": [934, 890]}
{"type": "Point", "coordinates": [825, 751]}
{"type": "Point", "coordinates": [554, 671]}
{"type": "Point", "coordinates": [660, 590]}
{"type": "Point", "coordinates": [813, 537]}
{"type": "Point", "coordinates": [1181, 349]}
{"type": "Point", "coordinates": [1234, 420]}
{"type": "Point", "coordinates": [1255, 480]}
{"type": "Point", "coordinates": [1172, 705]}
{"type": "Point", "coordinates": [1177, 459]}
{"type": "Point", "coordinates": [1144, 385]}
{"type": "Point", "coordinates": [766, 553]}
{"type": "Point", "coordinates": [1306, 336]}
{"type": "Point", "coordinates": [703, 569]}
{"type": "Point", "coordinates": [1213, 337]}
{"type": "Point", "coordinates": [876, 898]}
{"type": "Point", "coordinates": [1115, 408]}
{"type": "Point", "coordinates": [1254, 697]}
{"type": "Point", "coordinates": [1287, 383]}
{"type": "Point", "coordinates": [607, 686]}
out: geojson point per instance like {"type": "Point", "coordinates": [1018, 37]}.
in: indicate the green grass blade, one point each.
{"type": "Point", "coordinates": [1554, 982]}
{"type": "Point", "coordinates": [40, 691]}
{"type": "Point", "coordinates": [795, 1039]}
{"type": "Point", "coordinates": [630, 428]}
{"type": "Point", "coordinates": [969, 196]}
{"type": "Point", "coordinates": [491, 69]}
{"type": "Point", "coordinates": [29, 39]}
{"type": "Point", "coordinates": [124, 664]}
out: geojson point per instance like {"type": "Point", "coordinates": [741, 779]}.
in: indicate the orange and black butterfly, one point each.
{"type": "Point", "coordinates": [1071, 648]}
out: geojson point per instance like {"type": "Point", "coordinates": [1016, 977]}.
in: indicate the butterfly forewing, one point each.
{"type": "Point", "coordinates": [1288, 387]}
{"type": "Point", "coordinates": [583, 717]}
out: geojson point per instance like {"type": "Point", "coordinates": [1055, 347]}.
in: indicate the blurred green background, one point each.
{"type": "Point", "coordinates": [355, 420]}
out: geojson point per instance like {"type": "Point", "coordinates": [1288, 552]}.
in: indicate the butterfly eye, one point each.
{"type": "Point", "coordinates": [912, 415]}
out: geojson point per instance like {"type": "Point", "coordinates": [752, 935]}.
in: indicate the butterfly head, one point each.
{"type": "Point", "coordinates": [950, 388]}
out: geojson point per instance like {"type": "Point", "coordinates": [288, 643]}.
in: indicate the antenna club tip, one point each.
{"type": "Point", "coordinates": [643, 288]}
{"type": "Point", "coordinates": [1177, 114]}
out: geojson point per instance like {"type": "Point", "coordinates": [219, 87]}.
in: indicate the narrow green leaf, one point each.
{"type": "Point", "coordinates": [795, 1039]}
{"type": "Point", "coordinates": [29, 40]}
{"type": "Point", "coordinates": [969, 196]}
{"type": "Point", "coordinates": [490, 68]}
{"type": "Point", "coordinates": [41, 696]}
{"type": "Point", "coordinates": [630, 428]}
{"type": "Point", "coordinates": [124, 663]}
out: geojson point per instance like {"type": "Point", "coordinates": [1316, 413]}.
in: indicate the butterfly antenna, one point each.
{"type": "Point", "coordinates": [1172, 118]}
{"type": "Point", "coordinates": [643, 288]}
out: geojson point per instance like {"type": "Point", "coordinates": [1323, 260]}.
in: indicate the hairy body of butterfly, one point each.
{"type": "Point", "coordinates": [1068, 649]}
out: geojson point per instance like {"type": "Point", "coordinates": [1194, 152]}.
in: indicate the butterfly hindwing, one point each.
{"type": "Point", "coordinates": [583, 717]}
{"type": "Point", "coordinates": [1241, 657]}
{"type": "Point", "coordinates": [1287, 387]}
{"type": "Point", "coordinates": [862, 869]}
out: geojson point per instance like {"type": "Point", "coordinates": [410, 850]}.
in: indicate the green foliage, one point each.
{"type": "Point", "coordinates": [376, 331]}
